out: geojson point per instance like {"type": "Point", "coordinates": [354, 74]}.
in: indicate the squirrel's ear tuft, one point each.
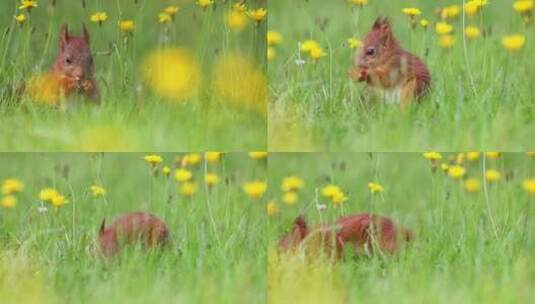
{"type": "Point", "coordinates": [381, 23]}
{"type": "Point", "coordinates": [63, 36]}
{"type": "Point", "coordinates": [86, 34]}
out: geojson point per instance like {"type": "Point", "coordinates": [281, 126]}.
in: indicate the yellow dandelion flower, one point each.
{"type": "Point", "coordinates": [472, 156]}
{"type": "Point", "coordinates": [317, 53]}
{"type": "Point", "coordinates": [173, 73]}
{"type": "Point", "coordinates": [358, 2]}
{"type": "Point", "coordinates": [171, 10]}
{"type": "Point", "coordinates": [183, 175]}
{"type": "Point", "coordinates": [99, 17]}
{"type": "Point", "coordinates": [255, 189]}
{"type": "Point", "coordinates": [239, 7]}
{"type": "Point", "coordinates": [48, 194]}
{"type": "Point", "coordinates": [211, 179]}
{"type": "Point", "coordinates": [450, 11]}
{"type": "Point", "coordinates": [290, 198]}
{"type": "Point", "coordinates": [9, 201]}
{"type": "Point", "coordinates": [191, 159]}
{"type": "Point", "coordinates": [204, 3]}
{"type": "Point", "coordinates": [28, 4]}
{"type": "Point", "coordinates": [338, 198]}
{"type": "Point", "coordinates": [523, 6]}
{"type": "Point", "coordinates": [164, 18]}
{"type": "Point", "coordinates": [213, 157]}
{"type": "Point", "coordinates": [472, 7]}
{"type": "Point", "coordinates": [166, 170]}
{"type": "Point", "coordinates": [444, 167]}
{"type": "Point", "coordinates": [424, 23]}
{"type": "Point", "coordinates": [446, 41]}
{"type": "Point", "coordinates": [456, 171]}
{"type": "Point", "coordinates": [354, 43]}
{"type": "Point", "coordinates": [292, 183]}
{"type": "Point", "coordinates": [236, 20]}
{"type": "Point", "coordinates": [492, 155]}
{"type": "Point", "coordinates": [271, 208]}
{"type": "Point", "coordinates": [258, 155]}
{"type": "Point", "coordinates": [188, 189]}
{"type": "Point", "coordinates": [257, 15]}
{"type": "Point", "coordinates": [271, 53]}
{"type": "Point", "coordinates": [309, 45]}
{"type": "Point", "coordinates": [330, 190]}
{"type": "Point", "coordinates": [472, 32]}
{"type": "Point", "coordinates": [529, 185]}
{"type": "Point", "coordinates": [472, 185]}
{"type": "Point", "coordinates": [12, 186]}
{"type": "Point", "coordinates": [273, 38]}
{"type": "Point", "coordinates": [153, 159]}
{"type": "Point", "coordinates": [443, 28]}
{"type": "Point", "coordinates": [492, 175]}
{"type": "Point", "coordinates": [459, 160]}
{"type": "Point", "coordinates": [45, 89]}
{"type": "Point", "coordinates": [127, 26]}
{"type": "Point", "coordinates": [513, 43]}
{"type": "Point", "coordinates": [98, 191]}
{"type": "Point", "coordinates": [20, 18]}
{"type": "Point", "coordinates": [411, 11]}
{"type": "Point", "coordinates": [58, 201]}
{"type": "Point", "coordinates": [375, 187]}
{"type": "Point", "coordinates": [432, 156]}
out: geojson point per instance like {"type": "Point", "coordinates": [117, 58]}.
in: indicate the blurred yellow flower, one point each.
{"type": "Point", "coordinates": [183, 175]}
{"type": "Point", "coordinates": [460, 158]}
{"type": "Point", "coordinates": [472, 156]}
{"type": "Point", "coordinates": [164, 18]}
{"type": "Point", "coordinates": [290, 197]}
{"type": "Point", "coordinates": [191, 159]}
{"type": "Point", "coordinates": [450, 11]}
{"type": "Point", "coordinates": [47, 194]}
{"type": "Point", "coordinates": [257, 15]}
{"type": "Point", "coordinates": [444, 167]}
{"type": "Point", "coordinates": [443, 28]}
{"type": "Point", "coordinates": [113, 138]}
{"type": "Point", "coordinates": [472, 32]}
{"type": "Point", "coordinates": [239, 7]}
{"type": "Point", "coordinates": [236, 20]}
{"type": "Point", "coordinates": [529, 185]}
{"type": "Point", "coordinates": [45, 89]}
{"type": "Point", "coordinates": [240, 81]}
{"type": "Point", "coordinates": [492, 175]}
{"type": "Point", "coordinates": [271, 53]}
{"type": "Point", "coordinates": [424, 23]}
{"type": "Point", "coordinates": [432, 156]}
{"type": "Point", "coordinates": [492, 155]}
{"type": "Point", "coordinates": [58, 201]}
{"type": "Point", "coordinates": [317, 53]}
{"type": "Point", "coordinates": [472, 7]}
{"type": "Point", "coordinates": [358, 2]}
{"type": "Point", "coordinates": [523, 6]}
{"type": "Point", "coordinates": [12, 186]}
{"type": "Point", "coordinates": [354, 43]}
{"type": "Point", "coordinates": [153, 159]}
{"type": "Point", "coordinates": [258, 155]}
{"type": "Point", "coordinates": [456, 171]}
{"type": "Point", "coordinates": [166, 170]}
{"type": "Point", "coordinates": [211, 179]}
{"type": "Point", "coordinates": [513, 43]}
{"type": "Point", "coordinates": [308, 45]}
{"type": "Point", "coordinates": [99, 17]}
{"type": "Point", "coordinates": [127, 26]}
{"type": "Point", "coordinates": [171, 10]}
{"type": "Point", "coordinates": [273, 38]}
{"type": "Point", "coordinates": [472, 185]}
{"type": "Point", "coordinates": [334, 193]}
{"type": "Point", "coordinates": [188, 189]}
{"type": "Point", "coordinates": [213, 157]}
{"type": "Point", "coordinates": [446, 41]}
{"type": "Point", "coordinates": [98, 191]}
{"type": "Point", "coordinates": [204, 3]}
{"type": "Point", "coordinates": [530, 154]}
{"type": "Point", "coordinates": [375, 187]}
{"type": "Point", "coordinates": [292, 183]}
{"type": "Point", "coordinates": [172, 73]}
{"type": "Point", "coordinates": [272, 208]}
{"type": "Point", "coordinates": [20, 18]}
{"type": "Point", "coordinates": [9, 201]}
{"type": "Point", "coordinates": [338, 198]}
{"type": "Point", "coordinates": [28, 4]}
{"type": "Point", "coordinates": [411, 11]}
{"type": "Point", "coordinates": [255, 189]}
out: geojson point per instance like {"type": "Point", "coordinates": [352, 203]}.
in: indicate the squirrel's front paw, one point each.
{"type": "Point", "coordinates": [87, 86]}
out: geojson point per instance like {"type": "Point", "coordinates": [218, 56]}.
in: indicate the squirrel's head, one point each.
{"type": "Point", "coordinates": [295, 236]}
{"type": "Point", "coordinates": [107, 241]}
{"type": "Point", "coordinates": [377, 46]}
{"type": "Point", "coordinates": [74, 58]}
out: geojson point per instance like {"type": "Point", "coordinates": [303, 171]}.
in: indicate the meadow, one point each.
{"type": "Point", "coordinates": [217, 252]}
{"type": "Point", "coordinates": [480, 98]}
{"type": "Point", "coordinates": [471, 214]}
{"type": "Point", "coordinates": [179, 75]}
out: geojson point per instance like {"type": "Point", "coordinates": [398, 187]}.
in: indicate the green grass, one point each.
{"type": "Point", "coordinates": [217, 252]}
{"type": "Point", "coordinates": [469, 247]}
{"type": "Point", "coordinates": [132, 116]}
{"type": "Point", "coordinates": [480, 97]}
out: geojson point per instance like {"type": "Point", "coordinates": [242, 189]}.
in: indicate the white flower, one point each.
{"type": "Point", "coordinates": [299, 61]}
{"type": "Point", "coordinates": [42, 209]}
{"type": "Point", "coordinates": [321, 207]}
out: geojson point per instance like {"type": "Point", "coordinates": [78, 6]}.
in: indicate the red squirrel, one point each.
{"type": "Point", "coordinates": [131, 228]}
{"type": "Point", "coordinates": [72, 72]}
{"type": "Point", "coordinates": [393, 74]}
{"type": "Point", "coordinates": [352, 230]}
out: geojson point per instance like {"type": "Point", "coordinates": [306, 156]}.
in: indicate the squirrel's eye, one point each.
{"type": "Point", "coordinates": [68, 60]}
{"type": "Point", "coordinates": [370, 51]}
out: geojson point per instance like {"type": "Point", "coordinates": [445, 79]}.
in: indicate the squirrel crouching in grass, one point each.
{"type": "Point", "coordinates": [72, 72]}
{"type": "Point", "coordinates": [393, 74]}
